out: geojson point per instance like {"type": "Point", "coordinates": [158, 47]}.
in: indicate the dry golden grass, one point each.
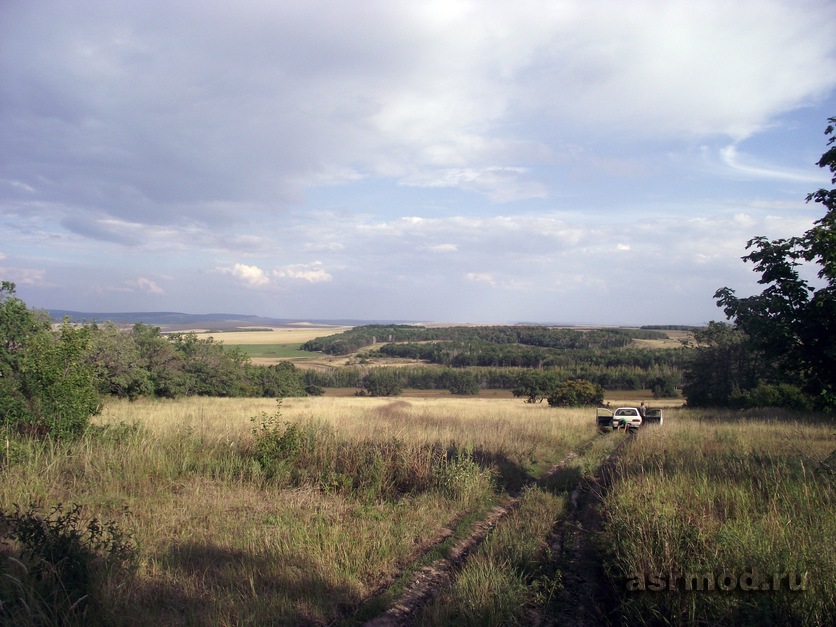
{"type": "Point", "coordinates": [219, 543]}
{"type": "Point", "coordinates": [715, 492]}
{"type": "Point", "coordinates": [276, 335]}
{"type": "Point", "coordinates": [496, 424]}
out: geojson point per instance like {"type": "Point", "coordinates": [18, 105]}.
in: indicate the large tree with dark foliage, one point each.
{"type": "Point", "coordinates": [793, 323]}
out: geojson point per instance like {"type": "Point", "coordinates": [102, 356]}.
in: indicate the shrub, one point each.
{"type": "Point", "coordinates": [276, 443]}
{"type": "Point", "coordinates": [383, 382]}
{"type": "Point", "coordinates": [461, 477]}
{"type": "Point", "coordinates": [782, 395]}
{"type": "Point", "coordinates": [464, 382]}
{"type": "Point", "coordinates": [576, 393]}
{"type": "Point", "coordinates": [46, 385]}
{"type": "Point", "coordinates": [54, 565]}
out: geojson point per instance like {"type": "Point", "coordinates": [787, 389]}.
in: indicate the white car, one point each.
{"type": "Point", "coordinates": [623, 416]}
{"type": "Point", "coordinates": [628, 416]}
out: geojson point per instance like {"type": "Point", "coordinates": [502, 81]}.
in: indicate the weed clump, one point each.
{"type": "Point", "coordinates": [310, 453]}
{"type": "Point", "coordinates": [54, 566]}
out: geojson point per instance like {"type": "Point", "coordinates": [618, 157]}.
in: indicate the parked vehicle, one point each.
{"type": "Point", "coordinates": [627, 417]}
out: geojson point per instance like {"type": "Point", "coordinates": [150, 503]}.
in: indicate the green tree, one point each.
{"type": "Point", "coordinates": [724, 363]}
{"type": "Point", "coordinates": [463, 382]}
{"type": "Point", "coordinates": [58, 381]}
{"type": "Point", "coordinates": [535, 385]}
{"type": "Point", "coordinates": [165, 366]}
{"type": "Point", "coordinates": [383, 382]}
{"type": "Point", "coordinates": [209, 368]}
{"type": "Point", "coordinates": [278, 380]}
{"type": "Point", "coordinates": [17, 325]}
{"type": "Point", "coordinates": [46, 385]}
{"type": "Point", "coordinates": [576, 393]}
{"type": "Point", "coordinates": [115, 358]}
{"type": "Point", "coordinates": [792, 322]}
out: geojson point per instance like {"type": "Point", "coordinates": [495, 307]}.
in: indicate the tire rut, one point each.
{"type": "Point", "coordinates": [587, 596]}
{"type": "Point", "coordinates": [430, 580]}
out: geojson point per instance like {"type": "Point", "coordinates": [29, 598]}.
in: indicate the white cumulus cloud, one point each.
{"type": "Point", "coordinates": [250, 275]}
{"type": "Point", "coordinates": [312, 273]}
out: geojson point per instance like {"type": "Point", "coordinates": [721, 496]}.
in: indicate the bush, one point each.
{"type": "Point", "coordinates": [576, 393]}
{"type": "Point", "coordinates": [781, 395]}
{"type": "Point", "coordinates": [276, 444]}
{"type": "Point", "coordinates": [464, 382]}
{"type": "Point", "coordinates": [383, 382]}
{"type": "Point", "coordinates": [54, 566]}
{"type": "Point", "coordinates": [46, 385]}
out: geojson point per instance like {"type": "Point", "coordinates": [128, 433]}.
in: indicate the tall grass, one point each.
{"type": "Point", "coordinates": [342, 494]}
{"type": "Point", "coordinates": [510, 574]}
{"type": "Point", "coordinates": [736, 504]}
{"type": "Point", "coordinates": [513, 578]}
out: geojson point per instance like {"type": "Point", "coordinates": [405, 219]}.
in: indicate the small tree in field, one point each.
{"type": "Point", "coordinates": [463, 382]}
{"type": "Point", "coordinates": [383, 382]}
{"type": "Point", "coordinates": [535, 385]}
{"type": "Point", "coordinates": [576, 393]}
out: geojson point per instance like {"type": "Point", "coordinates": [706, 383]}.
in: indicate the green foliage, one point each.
{"type": "Point", "coordinates": [792, 322]}
{"type": "Point", "coordinates": [723, 364]}
{"type": "Point", "coordinates": [54, 564]}
{"type": "Point", "coordinates": [536, 385]}
{"type": "Point", "coordinates": [162, 362]}
{"type": "Point", "coordinates": [782, 395]}
{"type": "Point", "coordinates": [452, 339]}
{"type": "Point", "coordinates": [116, 361]}
{"type": "Point", "coordinates": [59, 383]}
{"type": "Point", "coordinates": [277, 444]}
{"type": "Point", "coordinates": [314, 390]}
{"type": "Point", "coordinates": [464, 382]}
{"type": "Point", "coordinates": [383, 382]}
{"type": "Point", "coordinates": [576, 393]}
{"type": "Point", "coordinates": [290, 453]}
{"type": "Point", "coordinates": [46, 386]}
{"type": "Point", "coordinates": [278, 380]}
{"type": "Point", "coordinates": [461, 477]}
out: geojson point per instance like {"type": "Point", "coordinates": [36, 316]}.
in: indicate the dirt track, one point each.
{"type": "Point", "coordinates": [583, 599]}
{"type": "Point", "coordinates": [587, 596]}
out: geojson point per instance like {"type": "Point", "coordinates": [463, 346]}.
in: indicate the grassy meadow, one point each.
{"type": "Point", "coordinates": [244, 512]}
{"type": "Point", "coordinates": [319, 510]}
{"type": "Point", "coordinates": [721, 519]}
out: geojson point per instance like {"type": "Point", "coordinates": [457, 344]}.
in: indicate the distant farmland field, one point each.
{"type": "Point", "coordinates": [266, 346]}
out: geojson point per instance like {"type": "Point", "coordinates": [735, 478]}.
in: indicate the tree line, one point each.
{"type": "Point", "coordinates": [358, 338]}
{"type": "Point", "coordinates": [53, 379]}
{"type": "Point", "coordinates": [662, 383]}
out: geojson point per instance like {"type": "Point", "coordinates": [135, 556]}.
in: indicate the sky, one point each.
{"type": "Point", "coordinates": [561, 161]}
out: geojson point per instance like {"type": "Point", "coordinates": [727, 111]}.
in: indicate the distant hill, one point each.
{"type": "Point", "coordinates": [170, 320]}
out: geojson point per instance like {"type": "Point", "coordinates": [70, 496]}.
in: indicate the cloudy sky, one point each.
{"type": "Point", "coordinates": [459, 161]}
